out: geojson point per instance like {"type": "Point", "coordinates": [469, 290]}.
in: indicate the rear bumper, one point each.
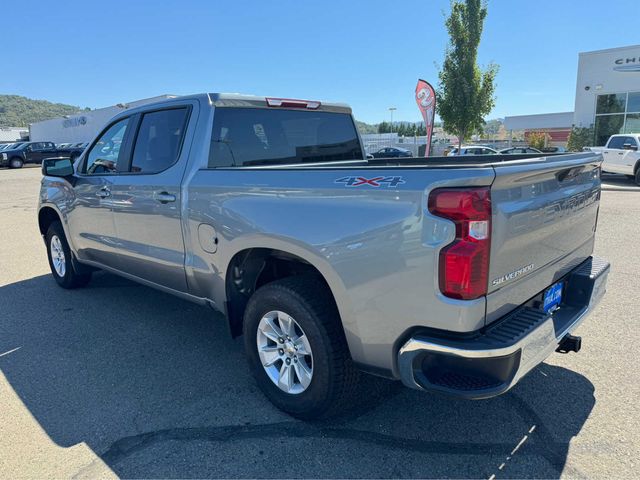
{"type": "Point", "coordinates": [492, 361]}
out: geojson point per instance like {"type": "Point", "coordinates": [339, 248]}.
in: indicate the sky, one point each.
{"type": "Point", "coordinates": [368, 54]}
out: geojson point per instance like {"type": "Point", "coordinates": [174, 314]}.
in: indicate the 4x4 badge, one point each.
{"type": "Point", "coordinates": [356, 181]}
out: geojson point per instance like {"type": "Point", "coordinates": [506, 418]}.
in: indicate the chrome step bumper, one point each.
{"type": "Point", "coordinates": [491, 362]}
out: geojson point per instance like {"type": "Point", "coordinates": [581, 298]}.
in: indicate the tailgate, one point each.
{"type": "Point", "coordinates": [543, 225]}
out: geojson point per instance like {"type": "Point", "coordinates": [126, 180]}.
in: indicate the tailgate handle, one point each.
{"type": "Point", "coordinates": [569, 173]}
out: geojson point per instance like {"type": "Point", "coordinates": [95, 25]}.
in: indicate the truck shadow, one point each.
{"type": "Point", "coordinates": [155, 387]}
{"type": "Point", "coordinates": [618, 183]}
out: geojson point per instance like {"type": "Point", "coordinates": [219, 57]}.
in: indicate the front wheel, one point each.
{"type": "Point", "coordinates": [59, 255]}
{"type": "Point", "coordinates": [297, 350]}
{"type": "Point", "coordinates": [16, 162]}
{"type": "Point", "coordinates": [637, 177]}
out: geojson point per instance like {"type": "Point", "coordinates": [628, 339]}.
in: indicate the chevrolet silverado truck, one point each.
{"type": "Point", "coordinates": [621, 155]}
{"type": "Point", "coordinates": [453, 275]}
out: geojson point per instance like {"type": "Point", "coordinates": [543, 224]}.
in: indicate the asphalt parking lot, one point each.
{"type": "Point", "coordinates": [118, 380]}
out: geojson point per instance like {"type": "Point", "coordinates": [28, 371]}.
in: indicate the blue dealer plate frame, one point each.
{"type": "Point", "coordinates": [552, 297]}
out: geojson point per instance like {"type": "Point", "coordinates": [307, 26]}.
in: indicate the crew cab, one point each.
{"type": "Point", "coordinates": [621, 155]}
{"type": "Point", "coordinates": [453, 275]}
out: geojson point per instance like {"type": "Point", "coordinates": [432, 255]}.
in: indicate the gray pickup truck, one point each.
{"type": "Point", "coordinates": [454, 275]}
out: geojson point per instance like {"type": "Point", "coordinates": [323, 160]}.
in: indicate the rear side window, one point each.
{"type": "Point", "coordinates": [261, 136]}
{"type": "Point", "coordinates": [159, 140]}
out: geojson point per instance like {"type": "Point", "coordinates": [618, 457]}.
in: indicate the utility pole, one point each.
{"type": "Point", "coordinates": [391, 109]}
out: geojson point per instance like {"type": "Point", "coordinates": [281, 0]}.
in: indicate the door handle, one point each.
{"type": "Point", "coordinates": [104, 192]}
{"type": "Point", "coordinates": [620, 153]}
{"type": "Point", "coordinates": [164, 197]}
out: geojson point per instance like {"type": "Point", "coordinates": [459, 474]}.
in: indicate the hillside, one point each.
{"type": "Point", "coordinates": [17, 111]}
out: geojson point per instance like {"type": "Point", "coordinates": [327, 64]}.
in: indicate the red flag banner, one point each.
{"type": "Point", "coordinates": [426, 100]}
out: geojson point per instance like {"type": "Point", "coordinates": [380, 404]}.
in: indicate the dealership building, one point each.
{"type": "Point", "coordinates": [607, 98]}
{"type": "Point", "coordinates": [82, 127]}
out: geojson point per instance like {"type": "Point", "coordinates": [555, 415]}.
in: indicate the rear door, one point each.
{"type": "Point", "coordinates": [543, 225]}
{"type": "Point", "coordinates": [147, 199]}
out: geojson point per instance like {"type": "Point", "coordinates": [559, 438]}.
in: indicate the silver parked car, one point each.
{"type": "Point", "coordinates": [472, 150]}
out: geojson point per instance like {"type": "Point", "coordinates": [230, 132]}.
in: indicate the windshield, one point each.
{"type": "Point", "coordinates": [260, 136]}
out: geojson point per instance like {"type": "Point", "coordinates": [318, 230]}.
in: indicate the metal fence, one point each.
{"type": "Point", "coordinates": [375, 141]}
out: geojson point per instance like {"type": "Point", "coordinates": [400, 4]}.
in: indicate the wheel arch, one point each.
{"type": "Point", "coordinates": [46, 216]}
{"type": "Point", "coordinates": [50, 213]}
{"type": "Point", "coordinates": [252, 267]}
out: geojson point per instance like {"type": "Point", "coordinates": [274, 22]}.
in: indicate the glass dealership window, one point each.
{"type": "Point", "coordinates": [632, 123]}
{"type": "Point", "coordinates": [607, 125]}
{"type": "Point", "coordinates": [633, 103]}
{"type": "Point", "coordinates": [614, 103]}
{"type": "Point", "coordinates": [616, 113]}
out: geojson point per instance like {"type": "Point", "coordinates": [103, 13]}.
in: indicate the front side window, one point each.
{"type": "Point", "coordinates": [103, 156]}
{"type": "Point", "coordinates": [262, 136]}
{"type": "Point", "coordinates": [616, 142]}
{"type": "Point", "coordinates": [159, 140]}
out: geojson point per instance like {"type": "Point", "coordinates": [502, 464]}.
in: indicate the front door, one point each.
{"type": "Point", "coordinates": [91, 218]}
{"type": "Point", "coordinates": [147, 200]}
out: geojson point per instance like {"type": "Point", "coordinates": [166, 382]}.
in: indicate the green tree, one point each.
{"type": "Point", "coordinates": [580, 137]}
{"type": "Point", "coordinates": [465, 92]}
{"type": "Point", "coordinates": [382, 127]}
{"type": "Point", "coordinates": [537, 139]}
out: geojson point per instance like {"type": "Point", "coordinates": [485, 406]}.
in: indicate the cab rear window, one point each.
{"type": "Point", "coordinates": [261, 136]}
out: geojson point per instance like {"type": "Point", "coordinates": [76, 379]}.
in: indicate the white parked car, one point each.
{"type": "Point", "coordinates": [621, 155]}
{"type": "Point", "coordinates": [472, 150]}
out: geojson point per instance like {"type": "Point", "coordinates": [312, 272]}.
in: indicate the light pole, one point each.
{"type": "Point", "coordinates": [391, 109]}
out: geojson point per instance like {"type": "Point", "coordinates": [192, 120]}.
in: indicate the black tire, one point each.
{"type": "Point", "coordinates": [335, 379]}
{"type": "Point", "coordinates": [71, 278]}
{"type": "Point", "coordinates": [637, 178]}
{"type": "Point", "coordinates": [16, 162]}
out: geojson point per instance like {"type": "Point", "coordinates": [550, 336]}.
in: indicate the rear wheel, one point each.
{"type": "Point", "coordinates": [637, 178]}
{"type": "Point", "coordinates": [296, 348]}
{"type": "Point", "coordinates": [59, 255]}
{"type": "Point", "coordinates": [16, 162]}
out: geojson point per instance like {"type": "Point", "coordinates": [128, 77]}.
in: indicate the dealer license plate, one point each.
{"type": "Point", "coordinates": [552, 297]}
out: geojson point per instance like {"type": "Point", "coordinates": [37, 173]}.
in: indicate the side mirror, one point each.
{"type": "Point", "coordinates": [628, 146]}
{"type": "Point", "coordinates": [57, 167]}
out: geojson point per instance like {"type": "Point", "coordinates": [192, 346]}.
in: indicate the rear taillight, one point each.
{"type": "Point", "coordinates": [293, 103]}
{"type": "Point", "coordinates": [464, 263]}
